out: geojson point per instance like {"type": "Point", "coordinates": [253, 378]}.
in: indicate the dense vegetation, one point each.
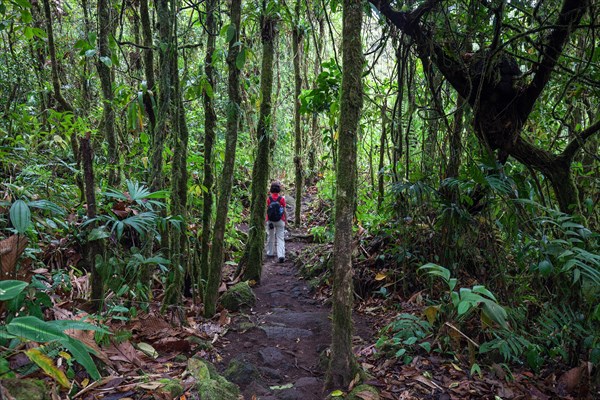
{"type": "Point", "coordinates": [470, 174]}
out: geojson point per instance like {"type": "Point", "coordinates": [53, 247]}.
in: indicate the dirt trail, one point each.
{"type": "Point", "coordinates": [278, 345]}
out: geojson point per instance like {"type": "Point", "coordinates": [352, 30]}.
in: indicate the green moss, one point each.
{"type": "Point", "coordinates": [172, 388]}
{"type": "Point", "coordinates": [211, 385]}
{"type": "Point", "coordinates": [238, 296]}
{"type": "Point", "coordinates": [26, 389]}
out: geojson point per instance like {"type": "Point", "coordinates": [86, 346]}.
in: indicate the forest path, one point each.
{"type": "Point", "coordinates": [278, 346]}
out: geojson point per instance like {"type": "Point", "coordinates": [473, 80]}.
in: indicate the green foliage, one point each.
{"type": "Point", "coordinates": [31, 328]}
{"type": "Point", "coordinates": [466, 300]}
{"type": "Point", "coordinates": [406, 336]}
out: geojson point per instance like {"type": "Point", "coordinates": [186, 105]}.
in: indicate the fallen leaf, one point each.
{"type": "Point", "coordinates": [147, 349]}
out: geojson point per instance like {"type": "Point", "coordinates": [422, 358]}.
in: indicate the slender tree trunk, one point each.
{"type": "Point", "coordinates": [382, 145]}
{"type": "Point", "coordinates": [343, 365]}
{"type": "Point", "coordinates": [106, 81]}
{"type": "Point", "coordinates": [296, 46]}
{"type": "Point", "coordinates": [210, 122]}
{"type": "Point", "coordinates": [260, 170]}
{"type": "Point", "coordinates": [63, 104]}
{"type": "Point", "coordinates": [148, 55]}
{"type": "Point", "coordinates": [226, 183]}
{"type": "Point", "coordinates": [91, 247]}
{"type": "Point", "coordinates": [315, 135]}
{"type": "Point", "coordinates": [165, 94]}
{"type": "Point", "coordinates": [178, 242]}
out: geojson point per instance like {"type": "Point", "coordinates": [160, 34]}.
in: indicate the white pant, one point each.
{"type": "Point", "coordinates": [273, 235]}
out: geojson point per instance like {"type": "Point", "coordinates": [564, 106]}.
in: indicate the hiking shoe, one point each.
{"type": "Point", "coordinates": [281, 259]}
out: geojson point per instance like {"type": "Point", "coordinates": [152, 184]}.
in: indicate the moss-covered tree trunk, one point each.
{"type": "Point", "coordinates": [148, 56]}
{"type": "Point", "coordinates": [343, 365]}
{"type": "Point", "coordinates": [173, 121]}
{"type": "Point", "coordinates": [163, 119]}
{"type": "Point", "coordinates": [226, 183]}
{"type": "Point", "coordinates": [260, 171]}
{"type": "Point", "coordinates": [382, 146]}
{"type": "Point", "coordinates": [296, 46]}
{"type": "Point", "coordinates": [103, 65]}
{"type": "Point", "coordinates": [210, 122]}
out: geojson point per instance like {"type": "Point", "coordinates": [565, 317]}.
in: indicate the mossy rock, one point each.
{"type": "Point", "coordinates": [241, 371]}
{"type": "Point", "coordinates": [26, 389]}
{"type": "Point", "coordinates": [171, 388]}
{"type": "Point", "coordinates": [363, 392]}
{"type": "Point", "coordinates": [238, 296]}
{"type": "Point", "coordinates": [211, 385]}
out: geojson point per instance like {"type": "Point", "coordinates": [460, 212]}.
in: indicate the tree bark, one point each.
{"type": "Point", "coordinates": [106, 81]}
{"type": "Point", "coordinates": [343, 365]}
{"type": "Point", "coordinates": [210, 122]}
{"type": "Point", "coordinates": [91, 247]}
{"type": "Point", "coordinates": [148, 54]}
{"type": "Point", "coordinates": [226, 183]}
{"type": "Point", "coordinates": [260, 170]}
{"type": "Point", "coordinates": [296, 46]}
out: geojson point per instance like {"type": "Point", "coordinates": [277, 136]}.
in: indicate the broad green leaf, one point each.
{"type": "Point", "coordinates": [64, 324]}
{"type": "Point", "coordinates": [482, 290]}
{"type": "Point", "coordinates": [106, 61]}
{"type": "Point", "coordinates": [11, 289]}
{"type": "Point", "coordinates": [81, 353]}
{"type": "Point", "coordinates": [463, 307]}
{"type": "Point", "coordinates": [47, 206]}
{"type": "Point", "coordinates": [35, 329]}
{"type": "Point", "coordinates": [240, 60]}
{"type": "Point", "coordinates": [47, 365]}
{"type": "Point", "coordinates": [495, 312]}
{"type": "Point", "coordinates": [20, 216]}
{"type": "Point", "coordinates": [230, 32]}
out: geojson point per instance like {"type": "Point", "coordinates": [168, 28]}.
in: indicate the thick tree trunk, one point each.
{"type": "Point", "coordinates": [343, 365]}
{"type": "Point", "coordinates": [296, 46]}
{"type": "Point", "coordinates": [210, 122]}
{"type": "Point", "coordinates": [260, 170]}
{"type": "Point", "coordinates": [233, 120]}
{"type": "Point", "coordinates": [106, 81]}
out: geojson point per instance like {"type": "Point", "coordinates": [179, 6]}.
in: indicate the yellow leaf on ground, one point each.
{"type": "Point", "coordinates": [47, 365]}
{"type": "Point", "coordinates": [380, 276]}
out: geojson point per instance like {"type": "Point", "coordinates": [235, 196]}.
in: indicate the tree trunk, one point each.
{"type": "Point", "coordinates": [91, 247]}
{"type": "Point", "coordinates": [165, 95]}
{"type": "Point", "coordinates": [148, 55]}
{"type": "Point", "coordinates": [173, 120]}
{"type": "Point", "coordinates": [210, 122]}
{"type": "Point", "coordinates": [233, 120]}
{"type": "Point", "coordinates": [296, 46]}
{"type": "Point", "coordinates": [260, 170]}
{"type": "Point", "coordinates": [382, 145]}
{"type": "Point", "coordinates": [106, 81]}
{"type": "Point", "coordinates": [343, 365]}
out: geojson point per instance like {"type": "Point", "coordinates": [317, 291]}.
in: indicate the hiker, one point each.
{"type": "Point", "coordinates": [276, 222]}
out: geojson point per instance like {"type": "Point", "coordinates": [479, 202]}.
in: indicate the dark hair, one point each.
{"type": "Point", "coordinates": [275, 187]}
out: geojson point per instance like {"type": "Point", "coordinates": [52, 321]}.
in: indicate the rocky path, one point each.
{"type": "Point", "coordinates": [278, 349]}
